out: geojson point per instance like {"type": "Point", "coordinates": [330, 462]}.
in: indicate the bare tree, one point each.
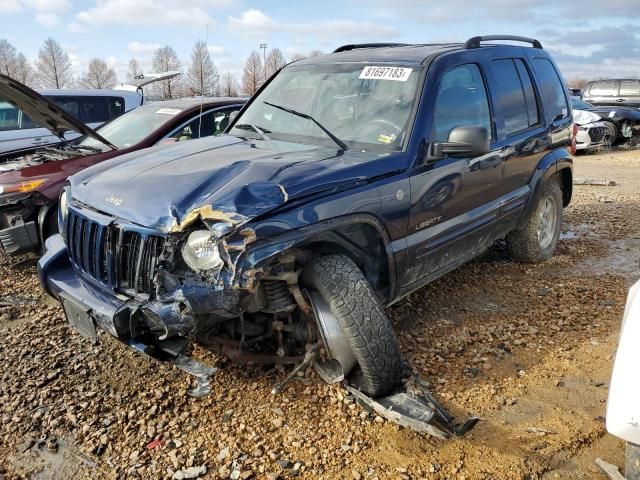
{"type": "Point", "coordinates": [202, 77]}
{"type": "Point", "coordinates": [316, 53]}
{"type": "Point", "coordinates": [298, 56]}
{"type": "Point", "coordinates": [166, 59]}
{"type": "Point", "coordinates": [252, 74]}
{"type": "Point", "coordinates": [274, 62]}
{"type": "Point", "coordinates": [577, 82]}
{"type": "Point", "coordinates": [8, 58]}
{"type": "Point", "coordinates": [54, 66]}
{"type": "Point", "coordinates": [24, 72]}
{"type": "Point", "coordinates": [229, 85]}
{"type": "Point", "coordinates": [98, 75]}
{"type": "Point", "coordinates": [134, 69]}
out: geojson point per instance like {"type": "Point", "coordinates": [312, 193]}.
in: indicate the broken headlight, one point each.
{"type": "Point", "coordinates": [200, 251]}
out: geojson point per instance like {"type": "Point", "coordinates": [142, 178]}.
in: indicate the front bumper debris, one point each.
{"type": "Point", "coordinates": [20, 238]}
{"type": "Point", "coordinates": [411, 406]}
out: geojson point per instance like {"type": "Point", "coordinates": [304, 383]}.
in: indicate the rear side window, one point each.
{"type": "Point", "coordinates": [462, 101]}
{"type": "Point", "coordinates": [629, 88]}
{"type": "Point", "coordinates": [86, 109]}
{"type": "Point", "coordinates": [604, 89]}
{"type": "Point", "coordinates": [552, 89]}
{"type": "Point", "coordinates": [516, 96]}
{"type": "Point", "coordinates": [117, 105]}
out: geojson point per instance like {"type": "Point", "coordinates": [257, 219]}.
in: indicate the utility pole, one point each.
{"type": "Point", "coordinates": [263, 46]}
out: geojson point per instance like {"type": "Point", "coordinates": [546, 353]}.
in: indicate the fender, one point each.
{"type": "Point", "coordinates": [259, 253]}
{"type": "Point", "coordinates": [550, 164]}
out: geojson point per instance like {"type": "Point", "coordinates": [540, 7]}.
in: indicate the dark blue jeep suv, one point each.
{"type": "Point", "coordinates": [348, 181]}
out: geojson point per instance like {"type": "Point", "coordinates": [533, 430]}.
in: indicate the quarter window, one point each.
{"type": "Point", "coordinates": [516, 95]}
{"type": "Point", "coordinates": [461, 102]}
{"type": "Point", "coordinates": [629, 88]}
{"type": "Point", "coordinates": [552, 87]}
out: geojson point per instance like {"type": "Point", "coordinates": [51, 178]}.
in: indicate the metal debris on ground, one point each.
{"type": "Point", "coordinates": [598, 182]}
{"type": "Point", "coordinates": [611, 470]}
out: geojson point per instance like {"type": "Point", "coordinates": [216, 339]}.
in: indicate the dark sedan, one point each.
{"type": "Point", "coordinates": [31, 183]}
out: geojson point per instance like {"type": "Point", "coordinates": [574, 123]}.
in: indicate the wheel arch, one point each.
{"type": "Point", "coordinates": [361, 237]}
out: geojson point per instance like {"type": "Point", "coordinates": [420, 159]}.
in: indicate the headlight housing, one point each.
{"type": "Point", "coordinates": [22, 187]}
{"type": "Point", "coordinates": [200, 251]}
{"type": "Point", "coordinates": [63, 209]}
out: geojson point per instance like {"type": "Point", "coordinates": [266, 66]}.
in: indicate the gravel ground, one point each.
{"type": "Point", "coordinates": [527, 348]}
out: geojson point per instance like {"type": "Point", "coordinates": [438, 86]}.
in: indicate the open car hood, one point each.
{"type": "Point", "coordinates": [146, 79]}
{"type": "Point", "coordinates": [44, 112]}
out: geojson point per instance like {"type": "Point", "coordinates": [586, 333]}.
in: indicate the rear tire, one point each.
{"type": "Point", "coordinates": [360, 314]}
{"type": "Point", "coordinates": [612, 133]}
{"type": "Point", "coordinates": [537, 239]}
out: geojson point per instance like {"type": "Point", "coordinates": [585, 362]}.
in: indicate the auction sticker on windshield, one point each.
{"type": "Point", "coordinates": [399, 74]}
{"type": "Point", "coordinates": [169, 111]}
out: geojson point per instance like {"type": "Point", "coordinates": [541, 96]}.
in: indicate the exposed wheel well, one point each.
{"type": "Point", "coordinates": [566, 183]}
{"type": "Point", "coordinates": [362, 243]}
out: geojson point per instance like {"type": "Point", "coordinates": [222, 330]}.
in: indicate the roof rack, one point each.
{"type": "Point", "coordinates": [474, 42]}
{"type": "Point", "coordinates": [354, 46]}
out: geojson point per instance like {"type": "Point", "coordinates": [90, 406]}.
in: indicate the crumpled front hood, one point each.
{"type": "Point", "coordinates": [584, 117]}
{"type": "Point", "coordinates": [217, 179]}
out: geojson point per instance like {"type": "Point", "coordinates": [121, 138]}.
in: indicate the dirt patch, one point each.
{"type": "Point", "coordinates": [528, 348]}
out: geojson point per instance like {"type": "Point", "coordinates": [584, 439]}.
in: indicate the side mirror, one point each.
{"type": "Point", "coordinates": [463, 142]}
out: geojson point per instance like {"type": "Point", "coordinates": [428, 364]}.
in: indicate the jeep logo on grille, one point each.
{"type": "Point", "coordinates": [117, 201]}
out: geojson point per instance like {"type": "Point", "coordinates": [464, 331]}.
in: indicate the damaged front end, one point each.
{"type": "Point", "coordinates": [160, 292]}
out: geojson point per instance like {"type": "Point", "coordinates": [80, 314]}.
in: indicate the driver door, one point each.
{"type": "Point", "coordinates": [454, 200]}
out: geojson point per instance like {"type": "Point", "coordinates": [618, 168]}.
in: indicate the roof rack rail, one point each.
{"type": "Point", "coordinates": [474, 42]}
{"type": "Point", "coordinates": [354, 46]}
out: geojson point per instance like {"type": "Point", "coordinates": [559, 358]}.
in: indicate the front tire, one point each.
{"type": "Point", "coordinates": [612, 133]}
{"type": "Point", "coordinates": [537, 239]}
{"type": "Point", "coordinates": [367, 328]}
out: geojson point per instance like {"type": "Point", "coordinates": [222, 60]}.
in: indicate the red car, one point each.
{"type": "Point", "coordinates": [30, 183]}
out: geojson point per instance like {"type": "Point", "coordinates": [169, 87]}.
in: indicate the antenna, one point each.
{"type": "Point", "coordinates": [206, 49]}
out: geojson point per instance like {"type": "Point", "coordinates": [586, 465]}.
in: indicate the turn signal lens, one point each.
{"type": "Point", "coordinates": [22, 187]}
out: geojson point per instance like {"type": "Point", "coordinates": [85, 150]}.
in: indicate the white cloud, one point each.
{"type": "Point", "coordinates": [146, 12]}
{"type": "Point", "coordinates": [75, 27]}
{"type": "Point", "coordinates": [216, 50]}
{"type": "Point", "coordinates": [256, 23]}
{"type": "Point", "coordinates": [138, 48]}
{"type": "Point", "coordinates": [253, 20]}
{"type": "Point", "coordinates": [48, 20]}
{"type": "Point", "coordinates": [47, 5]}
{"type": "Point", "coordinates": [10, 6]}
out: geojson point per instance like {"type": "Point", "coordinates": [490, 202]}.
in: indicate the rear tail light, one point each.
{"type": "Point", "coordinates": [574, 134]}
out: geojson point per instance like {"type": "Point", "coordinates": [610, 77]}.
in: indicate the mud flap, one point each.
{"type": "Point", "coordinates": [419, 412]}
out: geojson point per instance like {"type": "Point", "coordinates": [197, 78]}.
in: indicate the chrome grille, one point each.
{"type": "Point", "coordinates": [118, 257]}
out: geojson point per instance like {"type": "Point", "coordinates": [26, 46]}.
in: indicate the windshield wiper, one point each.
{"type": "Point", "coordinates": [87, 147]}
{"type": "Point", "coordinates": [338, 142]}
{"type": "Point", "coordinates": [260, 131]}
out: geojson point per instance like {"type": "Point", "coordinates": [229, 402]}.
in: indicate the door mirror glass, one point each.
{"type": "Point", "coordinates": [466, 141]}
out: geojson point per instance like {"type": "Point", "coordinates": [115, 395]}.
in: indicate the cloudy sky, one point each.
{"type": "Point", "coordinates": [589, 38]}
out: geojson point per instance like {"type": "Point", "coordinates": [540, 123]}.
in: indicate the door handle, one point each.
{"type": "Point", "coordinates": [620, 100]}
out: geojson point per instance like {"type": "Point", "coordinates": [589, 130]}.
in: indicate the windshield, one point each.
{"type": "Point", "coordinates": [368, 107]}
{"type": "Point", "coordinates": [132, 127]}
{"type": "Point", "coordinates": [579, 104]}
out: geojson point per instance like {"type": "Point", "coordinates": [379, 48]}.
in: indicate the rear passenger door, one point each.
{"type": "Point", "coordinates": [454, 201]}
{"type": "Point", "coordinates": [629, 93]}
{"type": "Point", "coordinates": [522, 138]}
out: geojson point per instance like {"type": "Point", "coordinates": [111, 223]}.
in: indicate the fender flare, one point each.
{"type": "Point", "coordinates": [260, 252]}
{"type": "Point", "coordinates": [549, 165]}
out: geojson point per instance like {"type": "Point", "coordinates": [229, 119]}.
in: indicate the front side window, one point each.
{"type": "Point", "coordinates": [462, 101]}
{"type": "Point", "coordinates": [552, 88]}
{"type": "Point", "coordinates": [629, 88]}
{"type": "Point", "coordinates": [604, 89]}
{"type": "Point", "coordinates": [367, 107]}
{"type": "Point", "coordinates": [117, 105]}
{"type": "Point", "coordinates": [210, 123]}
{"type": "Point", "coordinates": [85, 109]}
{"type": "Point", "coordinates": [12, 118]}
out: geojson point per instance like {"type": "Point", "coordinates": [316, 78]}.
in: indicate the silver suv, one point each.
{"type": "Point", "coordinates": [621, 93]}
